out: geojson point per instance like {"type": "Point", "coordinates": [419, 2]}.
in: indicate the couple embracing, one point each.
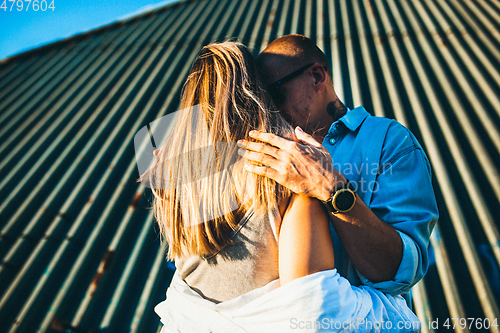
{"type": "Point", "coordinates": [305, 216]}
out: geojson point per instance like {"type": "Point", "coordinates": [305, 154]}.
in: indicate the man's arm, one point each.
{"type": "Point", "coordinates": [374, 247]}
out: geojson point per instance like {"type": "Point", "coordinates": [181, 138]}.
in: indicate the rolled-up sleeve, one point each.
{"type": "Point", "coordinates": [404, 198]}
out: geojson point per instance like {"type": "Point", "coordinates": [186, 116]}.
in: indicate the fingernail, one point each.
{"type": "Point", "coordinates": [241, 151]}
{"type": "Point", "coordinates": [252, 133]}
{"type": "Point", "coordinates": [247, 166]}
{"type": "Point", "coordinates": [300, 129]}
{"type": "Point", "coordinates": [240, 143]}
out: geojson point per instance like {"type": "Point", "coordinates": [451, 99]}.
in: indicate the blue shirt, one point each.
{"type": "Point", "coordinates": [391, 173]}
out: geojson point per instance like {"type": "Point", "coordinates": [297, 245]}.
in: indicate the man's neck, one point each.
{"type": "Point", "coordinates": [336, 109]}
{"type": "Point", "coordinates": [319, 135]}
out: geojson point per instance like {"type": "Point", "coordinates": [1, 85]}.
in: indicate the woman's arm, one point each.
{"type": "Point", "coordinates": [305, 246]}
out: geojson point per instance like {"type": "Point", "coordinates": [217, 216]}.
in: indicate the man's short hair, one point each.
{"type": "Point", "coordinates": [294, 51]}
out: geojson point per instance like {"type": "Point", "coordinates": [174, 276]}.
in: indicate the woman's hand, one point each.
{"type": "Point", "coordinates": [303, 166]}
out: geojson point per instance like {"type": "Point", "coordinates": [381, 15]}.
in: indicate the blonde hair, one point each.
{"type": "Point", "coordinates": [199, 168]}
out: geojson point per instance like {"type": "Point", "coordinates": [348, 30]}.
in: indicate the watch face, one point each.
{"type": "Point", "coordinates": [344, 200]}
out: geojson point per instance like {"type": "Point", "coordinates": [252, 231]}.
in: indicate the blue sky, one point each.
{"type": "Point", "coordinates": [27, 29]}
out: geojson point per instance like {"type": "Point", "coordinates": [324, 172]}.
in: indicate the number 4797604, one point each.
{"type": "Point", "coordinates": [478, 323]}
{"type": "Point", "coordinates": [36, 5]}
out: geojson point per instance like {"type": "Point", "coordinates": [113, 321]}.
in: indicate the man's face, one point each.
{"type": "Point", "coordinates": [293, 94]}
{"type": "Point", "coordinates": [295, 103]}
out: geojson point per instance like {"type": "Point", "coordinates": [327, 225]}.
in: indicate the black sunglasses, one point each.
{"type": "Point", "coordinates": [290, 76]}
{"type": "Point", "coordinates": [274, 90]}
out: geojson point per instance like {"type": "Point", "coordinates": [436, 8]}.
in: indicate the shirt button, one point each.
{"type": "Point", "coordinates": [332, 141]}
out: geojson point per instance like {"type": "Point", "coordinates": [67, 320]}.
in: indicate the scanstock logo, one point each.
{"type": "Point", "coordinates": [213, 161]}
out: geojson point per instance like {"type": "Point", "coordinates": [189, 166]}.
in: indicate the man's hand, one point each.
{"type": "Point", "coordinates": [303, 166]}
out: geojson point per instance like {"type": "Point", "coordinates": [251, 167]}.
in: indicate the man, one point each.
{"type": "Point", "coordinates": [370, 173]}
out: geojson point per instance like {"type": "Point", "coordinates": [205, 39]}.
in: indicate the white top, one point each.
{"type": "Point", "coordinates": [320, 302]}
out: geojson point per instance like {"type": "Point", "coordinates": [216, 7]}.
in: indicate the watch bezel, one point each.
{"type": "Point", "coordinates": [336, 195]}
{"type": "Point", "coordinates": [330, 203]}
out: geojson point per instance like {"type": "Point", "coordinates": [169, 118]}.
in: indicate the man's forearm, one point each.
{"type": "Point", "coordinates": [374, 247]}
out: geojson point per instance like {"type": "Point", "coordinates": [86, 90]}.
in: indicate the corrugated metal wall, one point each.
{"type": "Point", "coordinates": [78, 245]}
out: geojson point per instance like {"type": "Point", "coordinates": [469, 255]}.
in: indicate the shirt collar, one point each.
{"type": "Point", "coordinates": [352, 119]}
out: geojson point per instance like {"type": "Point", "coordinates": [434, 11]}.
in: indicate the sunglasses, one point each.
{"type": "Point", "coordinates": [273, 88]}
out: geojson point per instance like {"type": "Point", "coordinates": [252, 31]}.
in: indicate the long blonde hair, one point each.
{"type": "Point", "coordinates": [205, 190]}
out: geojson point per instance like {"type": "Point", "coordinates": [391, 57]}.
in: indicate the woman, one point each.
{"type": "Point", "coordinates": [251, 256]}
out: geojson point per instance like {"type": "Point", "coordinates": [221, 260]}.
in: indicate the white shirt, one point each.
{"type": "Point", "coordinates": [320, 302]}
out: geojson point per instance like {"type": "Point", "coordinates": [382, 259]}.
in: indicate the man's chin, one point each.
{"type": "Point", "coordinates": [289, 119]}
{"type": "Point", "coordinates": [294, 123]}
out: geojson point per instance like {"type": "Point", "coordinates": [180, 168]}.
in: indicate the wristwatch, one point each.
{"type": "Point", "coordinates": [342, 199]}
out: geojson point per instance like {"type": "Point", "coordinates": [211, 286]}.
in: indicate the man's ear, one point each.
{"type": "Point", "coordinates": [319, 74]}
